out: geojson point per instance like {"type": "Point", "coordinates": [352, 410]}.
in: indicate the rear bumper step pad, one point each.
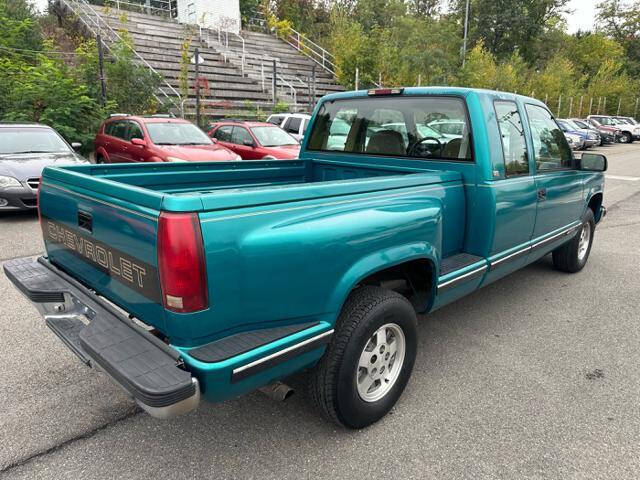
{"type": "Point", "coordinates": [139, 362]}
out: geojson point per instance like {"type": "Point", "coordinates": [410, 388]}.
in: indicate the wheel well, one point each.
{"type": "Point", "coordinates": [594, 204]}
{"type": "Point", "coordinates": [412, 279]}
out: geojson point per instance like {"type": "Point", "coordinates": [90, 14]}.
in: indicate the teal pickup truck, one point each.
{"type": "Point", "coordinates": [186, 280]}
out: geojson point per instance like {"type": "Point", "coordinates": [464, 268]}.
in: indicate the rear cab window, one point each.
{"type": "Point", "coordinates": [423, 127]}
{"type": "Point", "coordinates": [514, 146]}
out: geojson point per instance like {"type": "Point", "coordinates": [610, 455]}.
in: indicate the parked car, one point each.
{"type": "Point", "coordinates": [448, 128]}
{"type": "Point", "coordinates": [255, 140]}
{"type": "Point", "coordinates": [611, 129]}
{"type": "Point", "coordinates": [252, 272]}
{"type": "Point", "coordinates": [606, 136]}
{"type": "Point", "coordinates": [292, 123]}
{"type": "Point", "coordinates": [589, 139]}
{"type": "Point", "coordinates": [576, 142]}
{"type": "Point", "coordinates": [25, 149]}
{"type": "Point", "coordinates": [628, 132]}
{"type": "Point", "coordinates": [129, 138]}
{"type": "Point", "coordinates": [629, 120]}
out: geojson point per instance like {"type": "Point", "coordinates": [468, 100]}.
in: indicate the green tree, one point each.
{"type": "Point", "coordinates": [505, 26]}
{"type": "Point", "coordinates": [130, 87]}
{"type": "Point", "coordinates": [621, 22]}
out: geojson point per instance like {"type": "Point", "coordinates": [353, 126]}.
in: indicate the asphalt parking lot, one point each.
{"type": "Point", "coordinates": [535, 376]}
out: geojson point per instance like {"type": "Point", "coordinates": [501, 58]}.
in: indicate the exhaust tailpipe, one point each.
{"type": "Point", "coordinates": [277, 391]}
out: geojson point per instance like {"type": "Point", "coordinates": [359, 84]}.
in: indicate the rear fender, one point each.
{"type": "Point", "coordinates": [379, 261]}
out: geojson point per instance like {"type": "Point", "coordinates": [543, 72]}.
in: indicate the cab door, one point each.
{"type": "Point", "coordinates": [513, 193]}
{"type": "Point", "coordinates": [223, 136]}
{"type": "Point", "coordinates": [244, 144]}
{"type": "Point", "coordinates": [118, 148]}
{"type": "Point", "coordinates": [558, 184]}
{"type": "Point", "coordinates": [135, 153]}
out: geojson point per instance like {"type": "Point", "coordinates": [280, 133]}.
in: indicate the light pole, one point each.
{"type": "Point", "coordinates": [466, 31]}
{"type": "Point", "coordinates": [197, 60]}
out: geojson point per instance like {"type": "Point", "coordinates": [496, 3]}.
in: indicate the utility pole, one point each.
{"type": "Point", "coordinates": [466, 32]}
{"type": "Point", "coordinates": [103, 99]}
{"type": "Point", "coordinates": [197, 58]}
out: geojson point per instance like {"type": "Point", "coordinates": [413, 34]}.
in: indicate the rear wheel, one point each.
{"type": "Point", "coordinates": [99, 159]}
{"type": "Point", "coordinates": [625, 137]}
{"type": "Point", "coordinates": [369, 361]}
{"type": "Point", "coordinates": [573, 255]}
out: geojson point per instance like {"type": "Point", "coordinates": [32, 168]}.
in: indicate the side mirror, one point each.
{"type": "Point", "coordinates": [593, 162]}
{"type": "Point", "coordinates": [248, 143]}
{"type": "Point", "coordinates": [76, 145]}
{"type": "Point", "coordinates": [139, 142]}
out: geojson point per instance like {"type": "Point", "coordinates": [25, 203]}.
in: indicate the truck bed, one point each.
{"type": "Point", "coordinates": [212, 186]}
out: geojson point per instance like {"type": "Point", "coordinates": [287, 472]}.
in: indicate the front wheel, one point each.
{"type": "Point", "coordinates": [626, 138]}
{"type": "Point", "coordinates": [369, 361]}
{"type": "Point", "coordinates": [573, 255]}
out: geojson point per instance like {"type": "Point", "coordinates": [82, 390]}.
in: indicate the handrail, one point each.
{"type": "Point", "coordinates": [171, 11]}
{"type": "Point", "coordinates": [111, 34]}
{"type": "Point", "coordinates": [319, 55]}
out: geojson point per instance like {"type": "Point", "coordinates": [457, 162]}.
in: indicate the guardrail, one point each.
{"type": "Point", "coordinates": [94, 22]}
{"type": "Point", "coordinates": [163, 8]}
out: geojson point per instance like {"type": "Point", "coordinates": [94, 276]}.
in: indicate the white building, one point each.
{"type": "Point", "coordinates": [211, 14]}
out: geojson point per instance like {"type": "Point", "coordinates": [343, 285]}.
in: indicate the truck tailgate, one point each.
{"type": "Point", "coordinates": [107, 244]}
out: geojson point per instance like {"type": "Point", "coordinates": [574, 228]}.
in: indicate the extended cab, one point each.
{"type": "Point", "coordinates": [213, 279]}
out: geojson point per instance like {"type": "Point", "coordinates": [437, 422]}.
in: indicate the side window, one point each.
{"type": "Point", "coordinates": [550, 147]}
{"type": "Point", "coordinates": [240, 136]}
{"type": "Point", "coordinates": [223, 133]}
{"type": "Point", "coordinates": [135, 131]}
{"type": "Point", "coordinates": [514, 145]}
{"type": "Point", "coordinates": [120, 130]}
{"type": "Point", "coordinates": [108, 128]}
{"type": "Point", "coordinates": [293, 125]}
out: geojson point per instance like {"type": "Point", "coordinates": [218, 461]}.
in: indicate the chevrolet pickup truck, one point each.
{"type": "Point", "coordinates": [184, 281]}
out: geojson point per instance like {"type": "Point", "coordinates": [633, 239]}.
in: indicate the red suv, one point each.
{"type": "Point", "coordinates": [127, 138]}
{"type": "Point", "coordinates": [255, 140]}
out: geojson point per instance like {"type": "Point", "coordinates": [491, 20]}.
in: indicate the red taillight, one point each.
{"type": "Point", "coordinates": [183, 277]}
{"type": "Point", "coordinates": [38, 201]}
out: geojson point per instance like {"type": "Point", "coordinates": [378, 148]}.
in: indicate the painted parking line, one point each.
{"type": "Point", "coordinates": [622, 177]}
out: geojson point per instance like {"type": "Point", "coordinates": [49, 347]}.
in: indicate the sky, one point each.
{"type": "Point", "coordinates": [581, 19]}
{"type": "Point", "coordinates": [583, 16]}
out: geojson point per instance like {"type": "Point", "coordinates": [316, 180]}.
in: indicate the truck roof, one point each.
{"type": "Point", "coordinates": [437, 90]}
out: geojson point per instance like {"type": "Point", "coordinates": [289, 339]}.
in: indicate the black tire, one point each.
{"type": "Point", "coordinates": [99, 159]}
{"type": "Point", "coordinates": [332, 382]}
{"type": "Point", "coordinates": [566, 258]}
{"type": "Point", "coordinates": [626, 138]}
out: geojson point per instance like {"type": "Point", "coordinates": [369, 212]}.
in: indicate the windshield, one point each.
{"type": "Point", "coordinates": [399, 126]}
{"type": "Point", "coordinates": [573, 125]}
{"type": "Point", "coordinates": [580, 124]}
{"type": "Point", "coordinates": [31, 140]}
{"type": "Point", "coordinates": [273, 137]}
{"type": "Point", "coordinates": [177, 134]}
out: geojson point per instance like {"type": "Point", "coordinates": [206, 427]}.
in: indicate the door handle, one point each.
{"type": "Point", "coordinates": [542, 194]}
